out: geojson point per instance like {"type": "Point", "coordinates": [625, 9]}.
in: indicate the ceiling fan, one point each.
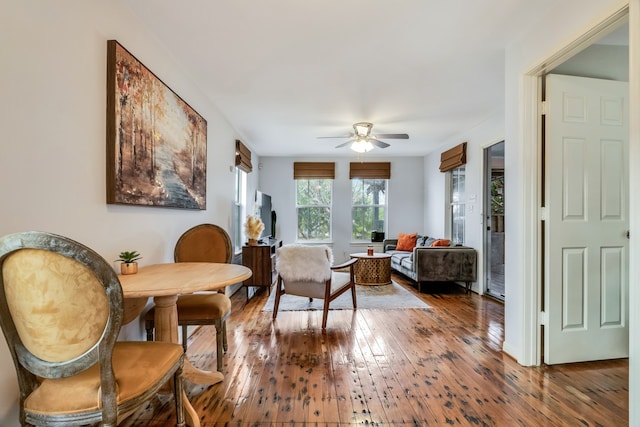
{"type": "Point", "coordinates": [362, 140]}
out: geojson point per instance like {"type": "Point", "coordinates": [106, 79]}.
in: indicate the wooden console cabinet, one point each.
{"type": "Point", "coordinates": [261, 259]}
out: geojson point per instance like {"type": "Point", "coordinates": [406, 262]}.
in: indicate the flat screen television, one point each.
{"type": "Point", "coordinates": [263, 201]}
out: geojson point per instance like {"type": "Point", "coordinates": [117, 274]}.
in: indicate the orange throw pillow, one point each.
{"type": "Point", "coordinates": [441, 242]}
{"type": "Point", "coordinates": [406, 242]}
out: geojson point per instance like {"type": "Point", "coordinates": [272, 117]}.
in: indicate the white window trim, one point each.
{"type": "Point", "coordinates": [239, 206]}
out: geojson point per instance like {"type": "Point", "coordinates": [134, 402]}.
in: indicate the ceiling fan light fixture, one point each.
{"type": "Point", "coordinates": [361, 145]}
{"type": "Point", "coordinates": [362, 140]}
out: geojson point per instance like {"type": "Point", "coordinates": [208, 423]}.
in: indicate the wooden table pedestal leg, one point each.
{"type": "Point", "coordinates": [166, 329]}
{"type": "Point", "coordinates": [165, 321]}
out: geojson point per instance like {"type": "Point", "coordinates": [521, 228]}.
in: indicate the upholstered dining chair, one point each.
{"type": "Point", "coordinates": [307, 271]}
{"type": "Point", "coordinates": [61, 308]}
{"type": "Point", "coordinates": [202, 243]}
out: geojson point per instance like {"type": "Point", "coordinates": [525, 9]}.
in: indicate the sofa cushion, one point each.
{"type": "Point", "coordinates": [407, 262]}
{"type": "Point", "coordinates": [441, 242]}
{"type": "Point", "coordinates": [406, 242]}
{"type": "Point", "coordinates": [398, 256]}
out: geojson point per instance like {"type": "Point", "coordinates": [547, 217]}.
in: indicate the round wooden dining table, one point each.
{"type": "Point", "coordinates": [164, 282]}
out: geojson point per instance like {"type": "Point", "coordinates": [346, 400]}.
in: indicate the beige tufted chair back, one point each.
{"type": "Point", "coordinates": [47, 295]}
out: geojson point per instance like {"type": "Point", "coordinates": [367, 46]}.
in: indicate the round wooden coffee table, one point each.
{"type": "Point", "coordinates": [372, 269]}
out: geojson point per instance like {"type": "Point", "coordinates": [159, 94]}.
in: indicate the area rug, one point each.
{"type": "Point", "coordinates": [384, 297]}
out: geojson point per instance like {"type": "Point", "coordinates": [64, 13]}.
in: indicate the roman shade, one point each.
{"type": "Point", "coordinates": [243, 157]}
{"type": "Point", "coordinates": [314, 170]}
{"type": "Point", "coordinates": [453, 158]}
{"type": "Point", "coordinates": [370, 170]}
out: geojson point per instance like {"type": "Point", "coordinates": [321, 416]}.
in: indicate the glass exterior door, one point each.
{"type": "Point", "coordinates": [494, 220]}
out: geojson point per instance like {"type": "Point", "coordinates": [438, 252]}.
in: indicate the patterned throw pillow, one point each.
{"type": "Point", "coordinates": [428, 241]}
{"type": "Point", "coordinates": [406, 242]}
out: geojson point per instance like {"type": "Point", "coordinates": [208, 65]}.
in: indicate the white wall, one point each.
{"type": "Point", "coordinates": [52, 152]}
{"type": "Point", "coordinates": [405, 198]}
{"type": "Point", "coordinates": [564, 23]}
{"type": "Point", "coordinates": [435, 195]}
{"type": "Point", "coordinates": [489, 132]}
{"type": "Point", "coordinates": [599, 62]}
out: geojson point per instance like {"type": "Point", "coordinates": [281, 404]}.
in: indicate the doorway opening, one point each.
{"type": "Point", "coordinates": [494, 237]}
{"type": "Point", "coordinates": [535, 209]}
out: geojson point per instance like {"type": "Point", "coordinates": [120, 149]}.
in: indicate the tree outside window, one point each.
{"type": "Point", "coordinates": [368, 207]}
{"type": "Point", "coordinates": [497, 202]}
{"type": "Point", "coordinates": [497, 195]}
{"type": "Point", "coordinates": [313, 206]}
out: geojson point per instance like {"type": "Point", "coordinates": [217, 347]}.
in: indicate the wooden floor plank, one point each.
{"type": "Point", "coordinates": [414, 367]}
{"type": "Point", "coordinates": [389, 328]}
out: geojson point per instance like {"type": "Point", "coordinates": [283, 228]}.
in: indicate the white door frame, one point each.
{"type": "Point", "coordinates": [531, 133]}
{"type": "Point", "coordinates": [532, 167]}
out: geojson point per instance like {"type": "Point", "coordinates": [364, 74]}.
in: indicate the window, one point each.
{"type": "Point", "coordinates": [239, 209]}
{"type": "Point", "coordinates": [313, 207]}
{"type": "Point", "coordinates": [458, 198]}
{"type": "Point", "coordinates": [368, 207]}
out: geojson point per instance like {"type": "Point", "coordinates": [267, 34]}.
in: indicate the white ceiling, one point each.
{"type": "Point", "coordinates": [284, 72]}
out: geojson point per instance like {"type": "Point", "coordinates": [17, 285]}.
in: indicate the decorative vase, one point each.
{"type": "Point", "coordinates": [129, 268]}
{"type": "Point", "coordinates": [253, 242]}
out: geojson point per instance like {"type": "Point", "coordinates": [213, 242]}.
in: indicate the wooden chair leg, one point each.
{"type": "Point", "coordinates": [178, 392]}
{"type": "Point", "coordinates": [219, 344]}
{"type": "Point", "coordinates": [225, 343]}
{"type": "Point", "coordinates": [184, 337]}
{"type": "Point", "coordinates": [325, 313]}
{"type": "Point", "coordinates": [148, 325]}
{"type": "Point", "coordinates": [353, 295]}
{"type": "Point", "coordinates": [276, 303]}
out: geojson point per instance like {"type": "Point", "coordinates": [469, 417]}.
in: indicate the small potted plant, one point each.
{"type": "Point", "coordinates": [253, 227]}
{"type": "Point", "coordinates": [129, 262]}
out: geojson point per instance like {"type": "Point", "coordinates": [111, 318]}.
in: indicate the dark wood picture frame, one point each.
{"type": "Point", "coordinates": [156, 143]}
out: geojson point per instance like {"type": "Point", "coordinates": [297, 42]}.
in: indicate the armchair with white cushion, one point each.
{"type": "Point", "coordinates": [307, 271]}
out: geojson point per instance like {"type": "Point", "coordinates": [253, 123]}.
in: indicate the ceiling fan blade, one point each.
{"type": "Point", "coordinates": [378, 143]}
{"type": "Point", "coordinates": [342, 136]}
{"type": "Point", "coordinates": [343, 144]}
{"type": "Point", "coordinates": [392, 136]}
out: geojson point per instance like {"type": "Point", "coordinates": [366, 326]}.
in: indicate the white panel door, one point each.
{"type": "Point", "coordinates": [586, 245]}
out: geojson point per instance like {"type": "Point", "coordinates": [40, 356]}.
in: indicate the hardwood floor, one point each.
{"type": "Point", "coordinates": [441, 366]}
